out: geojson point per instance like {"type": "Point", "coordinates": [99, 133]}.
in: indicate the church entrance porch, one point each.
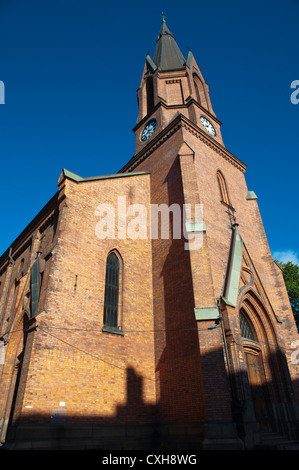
{"type": "Point", "coordinates": [260, 384]}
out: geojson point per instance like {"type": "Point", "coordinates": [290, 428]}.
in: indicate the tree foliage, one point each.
{"type": "Point", "coordinates": [291, 278]}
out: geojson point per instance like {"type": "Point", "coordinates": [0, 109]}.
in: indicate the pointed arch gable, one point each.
{"type": "Point", "coordinates": [259, 316]}
{"type": "Point", "coordinates": [253, 284]}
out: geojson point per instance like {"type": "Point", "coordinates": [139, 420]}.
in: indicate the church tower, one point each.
{"type": "Point", "coordinates": [171, 85]}
{"type": "Point", "coordinates": [223, 321]}
{"type": "Point", "coordinates": [120, 330]}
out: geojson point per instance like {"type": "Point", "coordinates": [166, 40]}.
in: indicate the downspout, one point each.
{"type": "Point", "coordinates": [8, 285]}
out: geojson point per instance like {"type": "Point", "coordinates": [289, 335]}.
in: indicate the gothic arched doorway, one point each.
{"type": "Point", "coordinates": [265, 362]}
{"type": "Point", "coordinates": [255, 372]}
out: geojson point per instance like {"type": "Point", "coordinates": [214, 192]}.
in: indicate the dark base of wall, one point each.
{"type": "Point", "coordinates": [188, 436]}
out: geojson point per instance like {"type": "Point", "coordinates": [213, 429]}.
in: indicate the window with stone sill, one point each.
{"type": "Point", "coordinates": [112, 294]}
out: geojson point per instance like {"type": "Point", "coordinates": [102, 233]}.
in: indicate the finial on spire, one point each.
{"type": "Point", "coordinates": [163, 17]}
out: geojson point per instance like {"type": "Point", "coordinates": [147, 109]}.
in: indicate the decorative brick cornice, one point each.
{"type": "Point", "coordinates": [194, 130]}
{"type": "Point", "coordinates": [151, 147]}
{"type": "Point", "coordinates": [178, 123]}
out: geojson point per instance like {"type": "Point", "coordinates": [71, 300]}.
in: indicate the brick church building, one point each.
{"type": "Point", "coordinates": [143, 309]}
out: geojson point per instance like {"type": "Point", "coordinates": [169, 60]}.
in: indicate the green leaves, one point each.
{"type": "Point", "coordinates": [291, 277]}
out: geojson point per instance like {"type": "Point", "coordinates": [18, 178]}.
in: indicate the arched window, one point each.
{"type": "Point", "coordinates": [199, 91]}
{"type": "Point", "coordinates": [223, 189]}
{"type": "Point", "coordinates": [149, 94]}
{"type": "Point", "coordinates": [247, 330]}
{"type": "Point", "coordinates": [197, 85]}
{"type": "Point", "coordinates": [111, 300]}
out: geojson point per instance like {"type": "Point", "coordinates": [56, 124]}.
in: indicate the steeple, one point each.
{"type": "Point", "coordinates": [170, 87]}
{"type": "Point", "coordinates": [167, 54]}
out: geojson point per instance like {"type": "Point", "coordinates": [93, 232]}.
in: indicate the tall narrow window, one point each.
{"type": "Point", "coordinates": [223, 189]}
{"type": "Point", "coordinates": [199, 91]}
{"type": "Point", "coordinates": [149, 94]}
{"type": "Point", "coordinates": [111, 300]}
{"type": "Point", "coordinates": [196, 86]}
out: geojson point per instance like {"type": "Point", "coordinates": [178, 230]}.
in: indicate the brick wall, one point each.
{"type": "Point", "coordinates": [73, 362]}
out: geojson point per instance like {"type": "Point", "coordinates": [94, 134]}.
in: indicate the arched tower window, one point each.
{"type": "Point", "coordinates": [199, 91]}
{"type": "Point", "coordinates": [224, 196]}
{"type": "Point", "coordinates": [149, 94]}
{"type": "Point", "coordinates": [196, 86]}
{"type": "Point", "coordinates": [247, 330]}
{"type": "Point", "coordinates": [111, 300]}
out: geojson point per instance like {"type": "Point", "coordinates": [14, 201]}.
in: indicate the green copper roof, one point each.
{"type": "Point", "coordinates": [79, 179]}
{"type": "Point", "coordinates": [251, 195]}
{"type": "Point", "coordinates": [167, 54]}
{"type": "Point", "coordinates": [231, 287]}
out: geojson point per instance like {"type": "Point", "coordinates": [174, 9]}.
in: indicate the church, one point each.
{"type": "Point", "coordinates": [143, 309]}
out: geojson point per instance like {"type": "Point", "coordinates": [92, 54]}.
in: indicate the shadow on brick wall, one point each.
{"type": "Point", "coordinates": [135, 425]}
{"type": "Point", "coordinates": [138, 425]}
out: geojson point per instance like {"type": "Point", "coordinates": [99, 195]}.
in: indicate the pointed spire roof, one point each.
{"type": "Point", "coordinates": [167, 54]}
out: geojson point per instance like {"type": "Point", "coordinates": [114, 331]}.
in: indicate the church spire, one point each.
{"type": "Point", "coordinates": [171, 86]}
{"type": "Point", "coordinates": [167, 54]}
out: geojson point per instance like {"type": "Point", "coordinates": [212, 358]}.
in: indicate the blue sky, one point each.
{"type": "Point", "coordinates": [71, 70]}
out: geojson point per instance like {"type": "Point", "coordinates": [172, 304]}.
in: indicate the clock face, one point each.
{"type": "Point", "coordinates": [148, 130]}
{"type": "Point", "coordinates": [209, 127]}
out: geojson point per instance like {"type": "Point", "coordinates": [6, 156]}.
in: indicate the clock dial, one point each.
{"type": "Point", "coordinates": [209, 127]}
{"type": "Point", "coordinates": [148, 130]}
